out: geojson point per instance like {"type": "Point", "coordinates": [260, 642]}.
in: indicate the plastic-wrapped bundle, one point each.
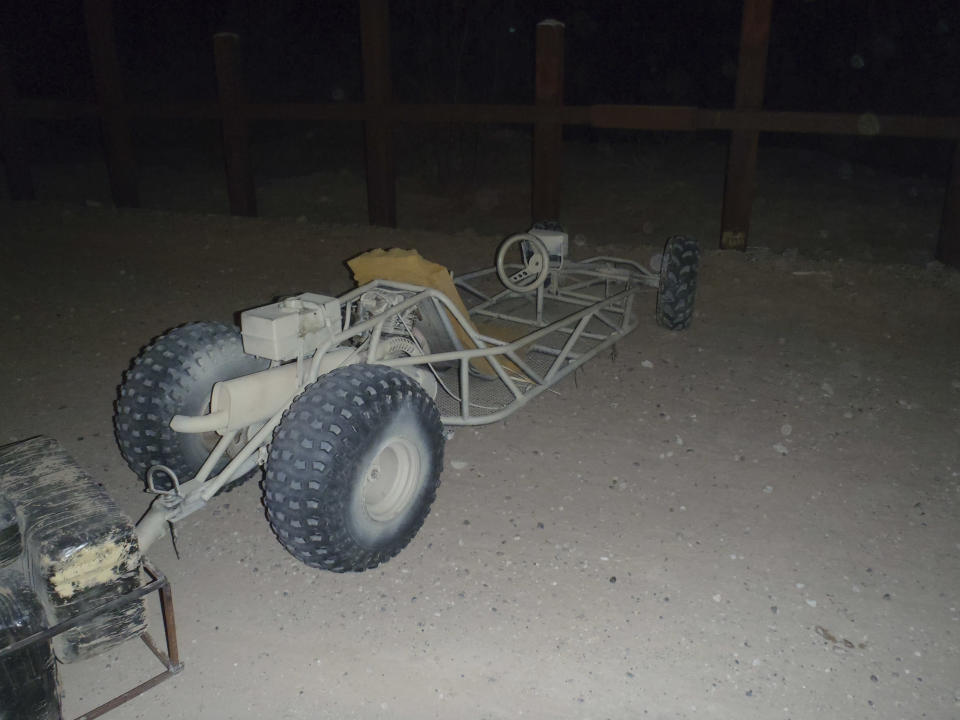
{"type": "Point", "coordinates": [10, 543]}
{"type": "Point", "coordinates": [80, 550]}
{"type": "Point", "coordinates": [28, 677]}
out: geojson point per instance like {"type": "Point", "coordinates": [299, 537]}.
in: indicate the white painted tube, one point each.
{"type": "Point", "coordinates": [254, 398]}
{"type": "Point", "coordinates": [153, 525]}
{"type": "Point", "coordinates": [199, 423]}
{"type": "Point", "coordinates": [244, 401]}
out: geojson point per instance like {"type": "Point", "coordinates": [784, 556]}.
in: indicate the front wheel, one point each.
{"type": "Point", "coordinates": [354, 468]}
{"type": "Point", "coordinates": [678, 282]}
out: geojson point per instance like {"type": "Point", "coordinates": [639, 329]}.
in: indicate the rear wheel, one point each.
{"type": "Point", "coordinates": [354, 468]}
{"type": "Point", "coordinates": [174, 375]}
{"type": "Point", "coordinates": [678, 282]}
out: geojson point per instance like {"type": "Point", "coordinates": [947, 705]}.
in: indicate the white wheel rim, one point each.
{"type": "Point", "coordinates": [391, 480]}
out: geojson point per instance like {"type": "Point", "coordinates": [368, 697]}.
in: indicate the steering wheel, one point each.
{"type": "Point", "coordinates": [536, 269]}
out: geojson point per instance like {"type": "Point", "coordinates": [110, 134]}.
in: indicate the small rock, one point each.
{"type": "Point", "coordinates": [717, 597]}
{"type": "Point", "coordinates": [781, 448]}
{"type": "Point", "coordinates": [647, 364]}
{"type": "Point", "coordinates": [768, 489]}
{"type": "Point", "coordinates": [827, 389]}
{"type": "Point", "coordinates": [458, 464]}
{"type": "Point", "coordinates": [812, 603]}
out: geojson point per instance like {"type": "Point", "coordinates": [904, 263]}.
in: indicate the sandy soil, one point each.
{"type": "Point", "coordinates": [755, 518]}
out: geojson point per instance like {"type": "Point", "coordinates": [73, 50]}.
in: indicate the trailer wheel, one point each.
{"type": "Point", "coordinates": [678, 282]}
{"type": "Point", "coordinates": [354, 467]}
{"type": "Point", "coordinates": [174, 376]}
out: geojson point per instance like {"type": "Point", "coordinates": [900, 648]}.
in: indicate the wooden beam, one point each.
{"type": "Point", "coordinates": [118, 144]}
{"type": "Point", "coordinates": [628, 117]}
{"type": "Point", "coordinates": [948, 244]}
{"type": "Point", "coordinates": [378, 128]}
{"type": "Point", "coordinates": [863, 124]}
{"type": "Point", "coordinates": [548, 134]}
{"type": "Point", "coordinates": [742, 158]}
{"type": "Point", "coordinates": [241, 189]}
{"type": "Point", "coordinates": [12, 144]}
{"type": "Point", "coordinates": [645, 117]}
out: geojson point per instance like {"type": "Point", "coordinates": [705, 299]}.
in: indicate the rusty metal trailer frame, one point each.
{"type": "Point", "coordinates": [170, 658]}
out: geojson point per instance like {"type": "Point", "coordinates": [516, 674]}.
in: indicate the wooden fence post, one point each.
{"type": "Point", "coordinates": [742, 158]}
{"type": "Point", "coordinates": [948, 245]}
{"type": "Point", "coordinates": [121, 162]}
{"type": "Point", "coordinates": [378, 128]}
{"type": "Point", "coordinates": [12, 145]}
{"type": "Point", "coordinates": [236, 135]}
{"type": "Point", "coordinates": [548, 134]}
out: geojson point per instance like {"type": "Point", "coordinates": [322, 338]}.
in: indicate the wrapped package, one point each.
{"type": "Point", "coordinates": [28, 677]}
{"type": "Point", "coordinates": [11, 544]}
{"type": "Point", "coordinates": [79, 549]}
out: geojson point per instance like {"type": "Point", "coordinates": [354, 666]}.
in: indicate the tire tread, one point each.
{"type": "Point", "coordinates": [312, 463]}
{"type": "Point", "coordinates": [678, 283]}
{"type": "Point", "coordinates": [158, 383]}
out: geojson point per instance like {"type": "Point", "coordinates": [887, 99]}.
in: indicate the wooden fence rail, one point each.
{"type": "Point", "coordinates": [547, 115]}
{"type": "Point", "coordinates": [626, 117]}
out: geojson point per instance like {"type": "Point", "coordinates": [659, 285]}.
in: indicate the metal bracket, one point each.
{"type": "Point", "coordinates": [163, 469]}
{"type": "Point", "coordinates": [169, 659]}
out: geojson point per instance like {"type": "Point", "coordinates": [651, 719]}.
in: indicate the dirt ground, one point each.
{"type": "Point", "coordinates": [755, 518]}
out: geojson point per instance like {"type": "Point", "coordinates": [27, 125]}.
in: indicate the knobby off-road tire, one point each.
{"type": "Point", "coordinates": [678, 282]}
{"type": "Point", "coordinates": [354, 467]}
{"type": "Point", "coordinates": [174, 376]}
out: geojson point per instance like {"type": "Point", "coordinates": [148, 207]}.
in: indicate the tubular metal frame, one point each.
{"type": "Point", "coordinates": [614, 283]}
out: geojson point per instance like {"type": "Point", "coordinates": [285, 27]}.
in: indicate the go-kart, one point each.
{"type": "Point", "coordinates": [345, 401]}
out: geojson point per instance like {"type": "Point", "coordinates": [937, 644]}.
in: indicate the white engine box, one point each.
{"type": "Point", "coordinates": [279, 331]}
{"type": "Point", "coordinates": [556, 242]}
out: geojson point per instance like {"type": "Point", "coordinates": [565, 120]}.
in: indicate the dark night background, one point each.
{"type": "Point", "coordinates": [883, 56]}
{"type": "Point", "coordinates": [888, 56]}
